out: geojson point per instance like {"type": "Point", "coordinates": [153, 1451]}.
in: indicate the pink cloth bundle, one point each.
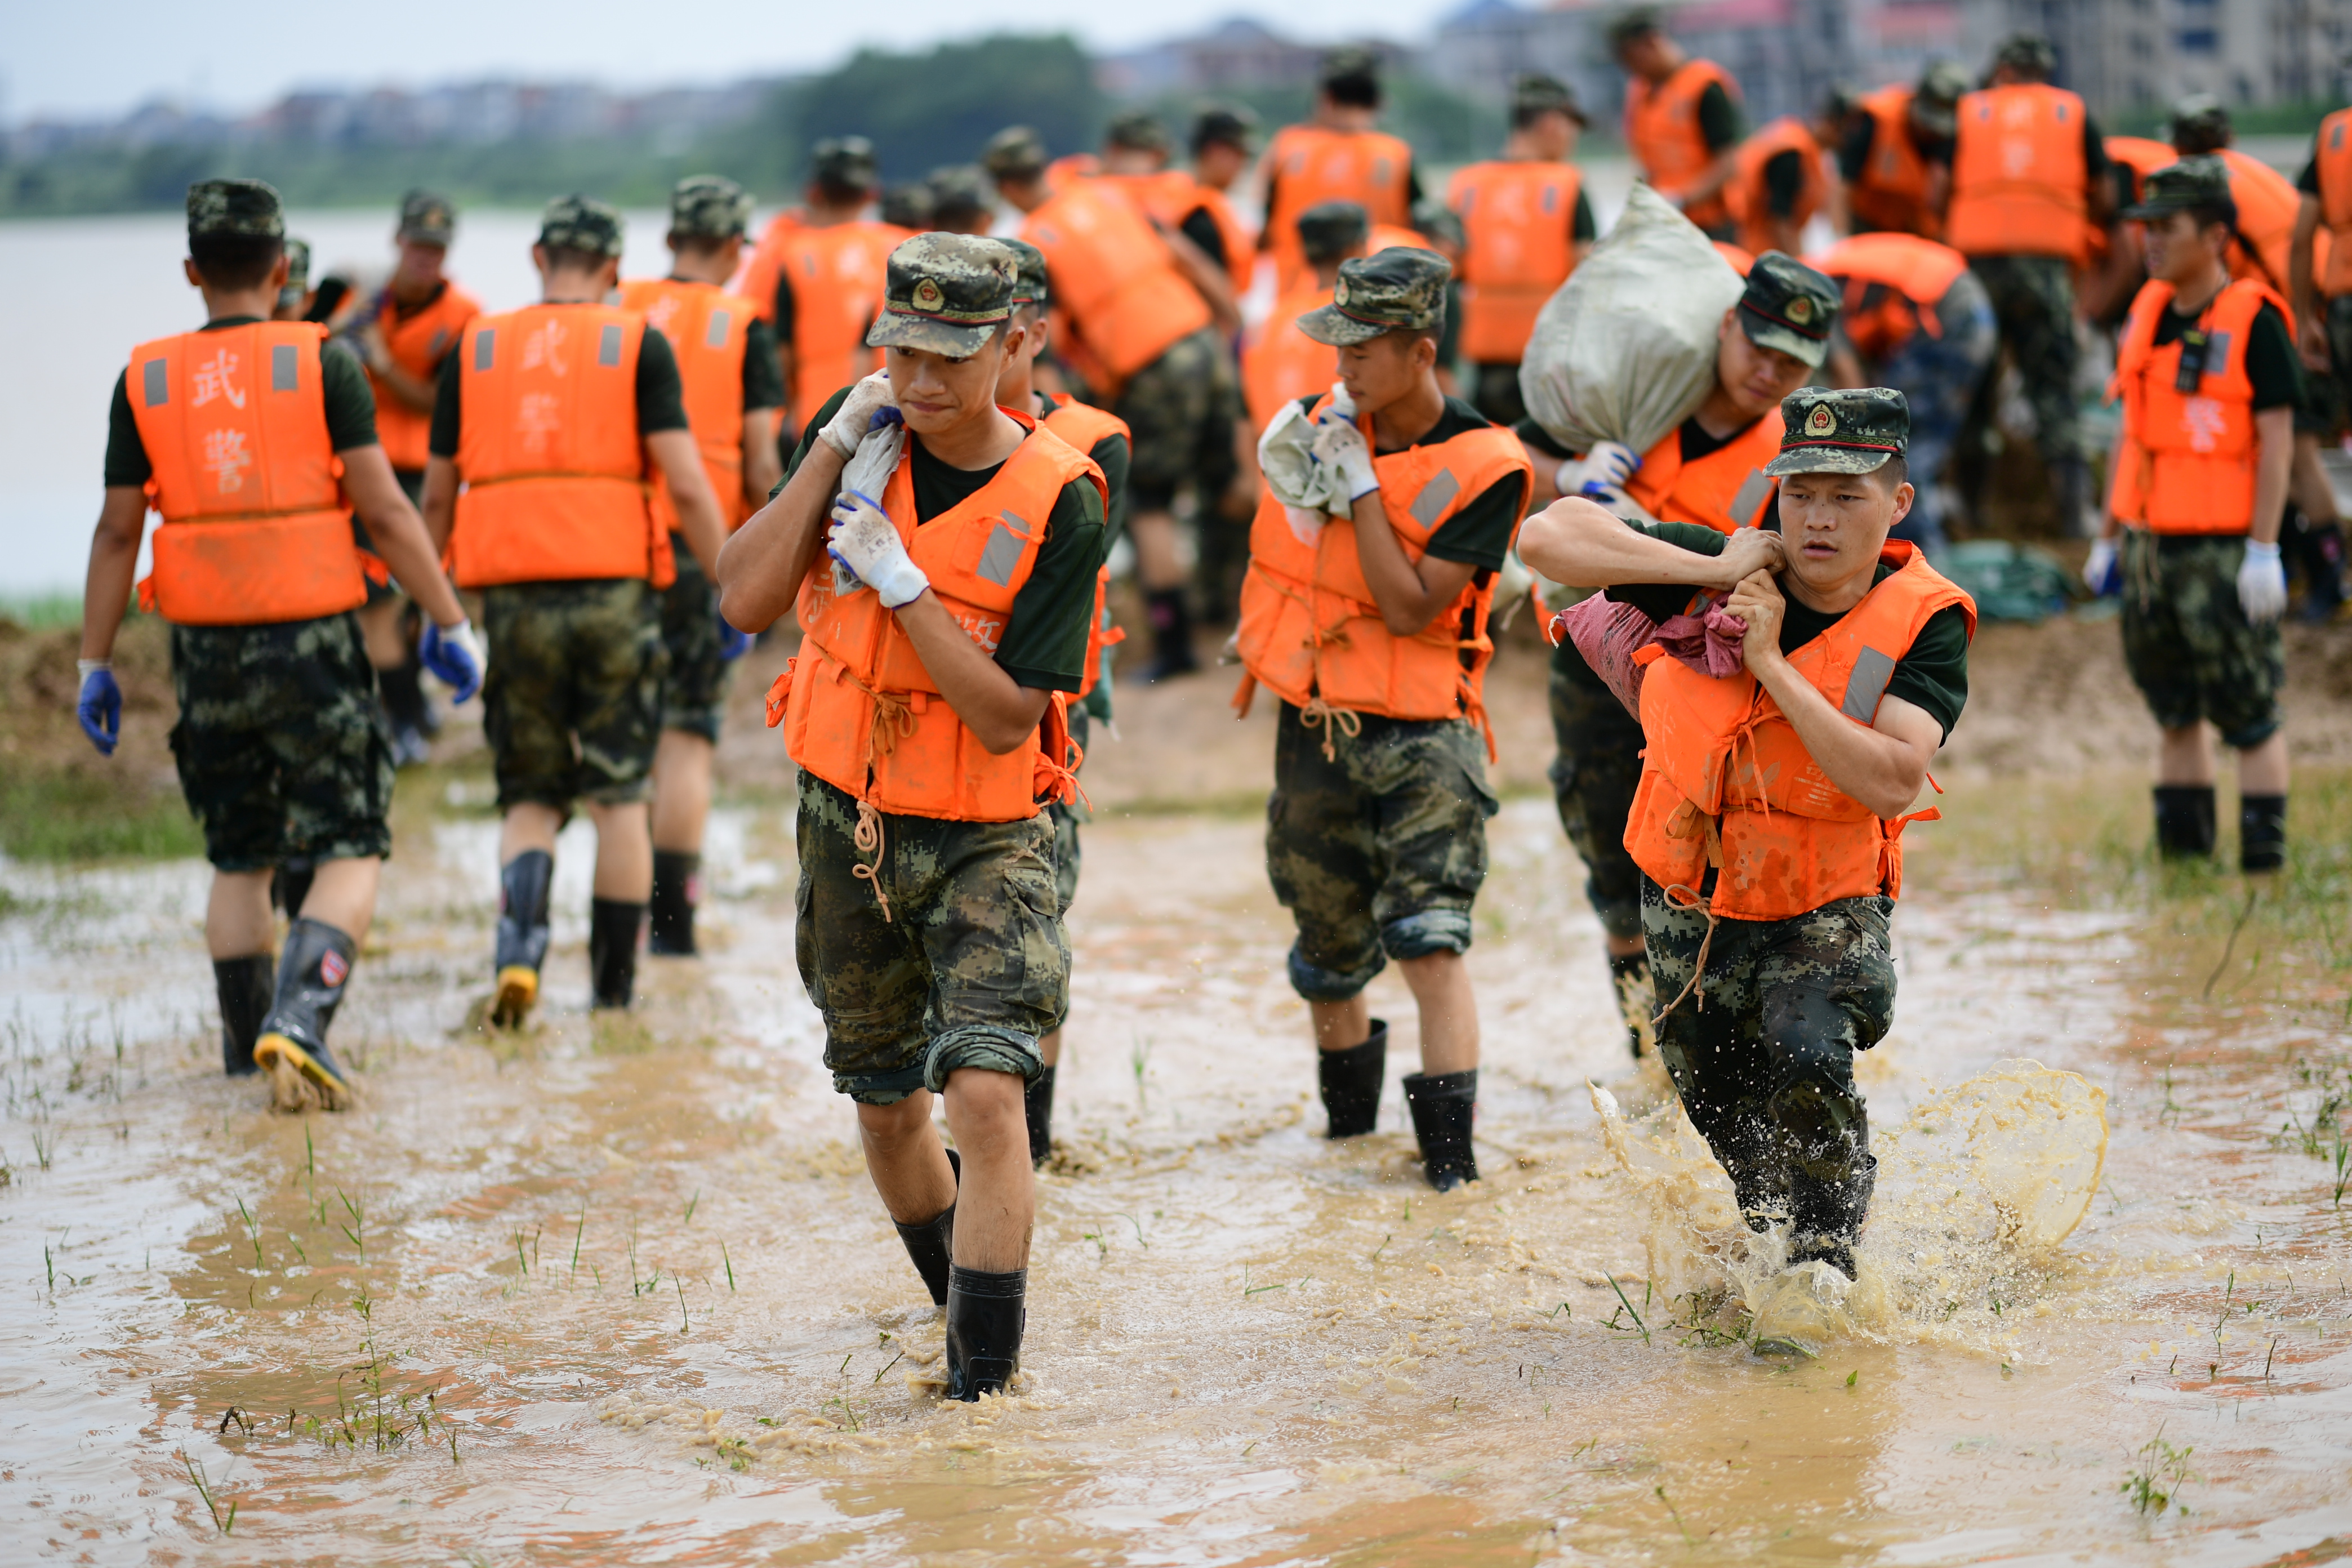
{"type": "Point", "coordinates": [1609, 634]}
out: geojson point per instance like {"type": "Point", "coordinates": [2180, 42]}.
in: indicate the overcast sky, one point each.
{"type": "Point", "coordinates": [63, 59]}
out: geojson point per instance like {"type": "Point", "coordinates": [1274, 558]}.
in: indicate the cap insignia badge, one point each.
{"type": "Point", "coordinates": [1339, 294]}
{"type": "Point", "coordinates": [927, 296]}
{"type": "Point", "coordinates": [1820, 421]}
{"type": "Point", "coordinates": [1800, 310]}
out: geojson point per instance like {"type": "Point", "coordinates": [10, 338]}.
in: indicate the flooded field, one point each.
{"type": "Point", "coordinates": [618, 1291]}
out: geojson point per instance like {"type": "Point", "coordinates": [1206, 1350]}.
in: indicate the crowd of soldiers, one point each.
{"type": "Point", "coordinates": [915, 422]}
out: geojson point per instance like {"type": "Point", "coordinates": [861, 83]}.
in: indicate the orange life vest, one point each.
{"type": "Point", "coordinates": [1726, 781]}
{"type": "Point", "coordinates": [1742, 261]}
{"type": "Point", "coordinates": [1394, 236]}
{"type": "Point", "coordinates": [1114, 277]}
{"type": "Point", "coordinates": [1891, 194]}
{"type": "Point", "coordinates": [1170, 196]}
{"type": "Point", "coordinates": [2188, 460]}
{"type": "Point", "coordinates": [417, 343]}
{"type": "Point", "coordinates": [1084, 427]}
{"type": "Point", "coordinates": [2143, 157]}
{"type": "Point", "coordinates": [836, 273]}
{"type": "Point", "coordinates": [2332, 153]}
{"type": "Point", "coordinates": [1068, 170]}
{"type": "Point", "coordinates": [1663, 130]}
{"type": "Point", "coordinates": [1241, 245]}
{"type": "Point", "coordinates": [705, 327]}
{"type": "Point", "coordinates": [1911, 276]}
{"type": "Point", "coordinates": [1747, 196]}
{"type": "Point", "coordinates": [1284, 364]}
{"type": "Point", "coordinates": [1517, 220]}
{"type": "Point", "coordinates": [2267, 204]}
{"type": "Point", "coordinates": [1725, 490]}
{"type": "Point", "coordinates": [255, 529]}
{"type": "Point", "coordinates": [2019, 179]}
{"type": "Point", "coordinates": [1310, 165]}
{"type": "Point", "coordinates": [548, 450]}
{"type": "Point", "coordinates": [1311, 629]}
{"type": "Point", "coordinates": [865, 714]}
{"type": "Point", "coordinates": [757, 279]}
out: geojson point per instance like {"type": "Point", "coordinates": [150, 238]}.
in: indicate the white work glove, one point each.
{"type": "Point", "coordinates": [1341, 448]}
{"type": "Point", "coordinates": [1601, 473]}
{"type": "Point", "coordinates": [2262, 583]}
{"type": "Point", "coordinates": [2099, 570]}
{"type": "Point", "coordinates": [869, 406]}
{"type": "Point", "coordinates": [866, 542]}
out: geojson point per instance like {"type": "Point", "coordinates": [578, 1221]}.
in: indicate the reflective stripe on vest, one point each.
{"type": "Point", "coordinates": [706, 329]}
{"type": "Point", "coordinates": [1663, 130]}
{"type": "Point", "coordinates": [1517, 222]}
{"type": "Point", "coordinates": [1114, 276]}
{"type": "Point", "coordinates": [548, 450]}
{"type": "Point", "coordinates": [1892, 194]}
{"type": "Point", "coordinates": [1084, 427]}
{"type": "Point", "coordinates": [417, 344]}
{"type": "Point", "coordinates": [1284, 364]}
{"type": "Point", "coordinates": [1913, 275]}
{"type": "Point", "coordinates": [1312, 165]}
{"type": "Point", "coordinates": [1725, 490]}
{"type": "Point", "coordinates": [233, 424]}
{"type": "Point", "coordinates": [1725, 776]}
{"type": "Point", "coordinates": [2018, 174]}
{"type": "Point", "coordinates": [1310, 625]}
{"type": "Point", "coordinates": [1748, 195]}
{"type": "Point", "coordinates": [861, 712]}
{"type": "Point", "coordinates": [2186, 463]}
{"type": "Point", "coordinates": [2333, 155]}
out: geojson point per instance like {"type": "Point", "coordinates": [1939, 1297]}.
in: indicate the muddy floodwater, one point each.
{"type": "Point", "coordinates": [617, 1291]}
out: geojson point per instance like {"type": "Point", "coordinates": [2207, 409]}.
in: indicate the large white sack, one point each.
{"type": "Point", "coordinates": [1624, 350]}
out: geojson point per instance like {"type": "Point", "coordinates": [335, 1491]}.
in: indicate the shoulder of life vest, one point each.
{"type": "Point", "coordinates": [1726, 491]}
{"type": "Point", "coordinates": [1084, 426]}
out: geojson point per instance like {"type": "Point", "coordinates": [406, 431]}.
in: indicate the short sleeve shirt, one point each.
{"type": "Point", "coordinates": [2270, 360]}
{"type": "Point", "coordinates": [343, 383]}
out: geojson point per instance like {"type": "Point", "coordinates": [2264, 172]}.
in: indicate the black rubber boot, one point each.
{"type": "Point", "coordinates": [677, 888]}
{"type": "Point", "coordinates": [932, 1242]}
{"type": "Point", "coordinates": [523, 884]}
{"type": "Point", "coordinates": [613, 927]}
{"type": "Point", "coordinates": [245, 987]}
{"type": "Point", "coordinates": [290, 884]}
{"type": "Point", "coordinates": [1637, 999]}
{"type": "Point", "coordinates": [2184, 821]}
{"type": "Point", "coordinates": [1171, 635]}
{"type": "Point", "coordinates": [985, 1317]}
{"type": "Point", "coordinates": [2319, 548]}
{"type": "Point", "coordinates": [2261, 832]}
{"type": "Point", "coordinates": [312, 974]}
{"type": "Point", "coordinates": [1442, 1106]}
{"type": "Point", "coordinates": [1352, 1083]}
{"type": "Point", "coordinates": [1038, 1100]}
{"type": "Point", "coordinates": [1825, 1217]}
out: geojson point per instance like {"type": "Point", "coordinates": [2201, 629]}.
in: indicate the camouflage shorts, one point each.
{"type": "Point", "coordinates": [2034, 299]}
{"type": "Point", "coordinates": [1180, 410]}
{"type": "Point", "coordinates": [572, 702]}
{"type": "Point", "coordinates": [282, 748]}
{"type": "Point", "coordinates": [1592, 780]}
{"type": "Point", "coordinates": [1765, 1068]}
{"type": "Point", "coordinates": [693, 692]}
{"type": "Point", "coordinates": [971, 966]}
{"type": "Point", "coordinates": [2187, 642]}
{"type": "Point", "coordinates": [2326, 405]}
{"type": "Point", "coordinates": [1067, 820]}
{"type": "Point", "coordinates": [1382, 848]}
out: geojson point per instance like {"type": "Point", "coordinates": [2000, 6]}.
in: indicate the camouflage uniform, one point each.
{"type": "Point", "coordinates": [2187, 642]}
{"type": "Point", "coordinates": [282, 749]}
{"type": "Point", "coordinates": [1592, 782]}
{"type": "Point", "coordinates": [1381, 848]}
{"type": "Point", "coordinates": [572, 703]}
{"type": "Point", "coordinates": [2034, 299]}
{"type": "Point", "coordinates": [1181, 408]}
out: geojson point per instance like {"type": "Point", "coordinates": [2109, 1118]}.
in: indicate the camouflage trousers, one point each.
{"type": "Point", "coordinates": [965, 969]}
{"type": "Point", "coordinates": [1592, 780]}
{"type": "Point", "coordinates": [1378, 851]}
{"type": "Point", "coordinates": [2187, 642]}
{"type": "Point", "coordinates": [1762, 1051]}
{"type": "Point", "coordinates": [2034, 299]}
{"type": "Point", "coordinates": [282, 748]}
{"type": "Point", "coordinates": [694, 689]}
{"type": "Point", "coordinates": [1180, 410]}
{"type": "Point", "coordinates": [572, 702]}
{"type": "Point", "coordinates": [1939, 374]}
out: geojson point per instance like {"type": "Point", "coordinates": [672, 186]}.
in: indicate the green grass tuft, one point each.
{"type": "Point", "coordinates": [69, 815]}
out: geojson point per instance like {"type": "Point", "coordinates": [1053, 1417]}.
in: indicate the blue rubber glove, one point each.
{"type": "Point", "coordinates": [732, 645]}
{"type": "Point", "coordinates": [2102, 574]}
{"type": "Point", "coordinates": [454, 657]}
{"type": "Point", "coordinates": [100, 708]}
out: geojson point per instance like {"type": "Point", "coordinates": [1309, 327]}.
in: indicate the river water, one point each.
{"type": "Point", "coordinates": [618, 1291]}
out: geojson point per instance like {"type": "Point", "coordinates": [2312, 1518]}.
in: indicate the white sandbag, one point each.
{"type": "Point", "coordinates": [1624, 350]}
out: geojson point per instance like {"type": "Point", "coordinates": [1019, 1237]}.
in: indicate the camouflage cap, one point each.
{"type": "Point", "coordinates": [959, 192]}
{"type": "Point", "coordinates": [1030, 284]}
{"type": "Point", "coordinates": [581, 223]}
{"type": "Point", "coordinates": [1329, 231]}
{"type": "Point", "coordinates": [1138, 131]}
{"type": "Point", "coordinates": [1536, 94]}
{"type": "Point", "coordinates": [844, 161]}
{"type": "Point", "coordinates": [1439, 223]}
{"type": "Point", "coordinates": [1399, 289]}
{"type": "Point", "coordinates": [709, 207]}
{"type": "Point", "coordinates": [2200, 180]}
{"type": "Point", "coordinates": [1789, 307]}
{"type": "Point", "coordinates": [1935, 103]}
{"type": "Point", "coordinates": [908, 205]}
{"type": "Point", "coordinates": [1015, 153]}
{"type": "Point", "coordinates": [945, 294]}
{"type": "Point", "coordinates": [2030, 54]}
{"type": "Point", "coordinates": [1224, 124]}
{"type": "Point", "coordinates": [428, 218]}
{"type": "Point", "coordinates": [235, 209]}
{"type": "Point", "coordinates": [2199, 124]}
{"type": "Point", "coordinates": [1850, 432]}
{"type": "Point", "coordinates": [298, 274]}
{"type": "Point", "coordinates": [1350, 62]}
{"type": "Point", "coordinates": [1636, 22]}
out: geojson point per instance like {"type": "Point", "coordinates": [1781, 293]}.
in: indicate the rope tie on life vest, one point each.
{"type": "Point", "coordinates": [867, 838]}
{"type": "Point", "coordinates": [1318, 714]}
{"type": "Point", "coordinates": [893, 717]}
{"type": "Point", "coordinates": [1689, 822]}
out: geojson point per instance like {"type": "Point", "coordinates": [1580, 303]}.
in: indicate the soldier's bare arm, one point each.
{"type": "Point", "coordinates": [760, 569]}
{"type": "Point", "coordinates": [1209, 278]}
{"type": "Point", "coordinates": [674, 452]}
{"type": "Point", "coordinates": [1575, 542]}
{"type": "Point", "coordinates": [398, 533]}
{"type": "Point", "coordinates": [762, 467]}
{"type": "Point", "coordinates": [1000, 712]}
{"type": "Point", "coordinates": [113, 561]}
{"type": "Point", "coordinates": [2273, 467]}
{"type": "Point", "coordinates": [2311, 331]}
{"type": "Point", "coordinates": [1410, 595]}
{"type": "Point", "coordinates": [440, 501]}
